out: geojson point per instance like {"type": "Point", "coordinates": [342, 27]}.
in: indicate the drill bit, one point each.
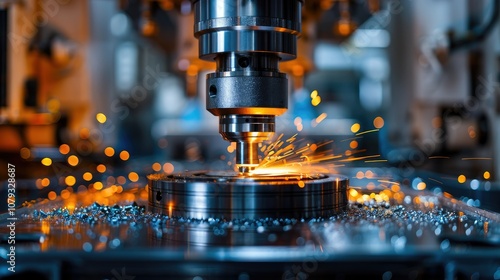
{"type": "Point", "coordinates": [247, 156]}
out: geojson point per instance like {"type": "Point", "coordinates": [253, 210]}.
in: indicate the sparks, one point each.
{"type": "Point", "coordinates": [389, 182]}
{"type": "Point", "coordinates": [321, 117]}
{"type": "Point", "coordinates": [297, 156]}
{"type": "Point", "coordinates": [368, 131]}
{"type": "Point", "coordinates": [294, 156]}
{"type": "Point", "coordinates": [359, 158]}
{"type": "Point", "coordinates": [376, 160]}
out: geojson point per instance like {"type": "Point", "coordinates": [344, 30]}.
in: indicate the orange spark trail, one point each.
{"type": "Point", "coordinates": [359, 158]}
{"type": "Point", "coordinates": [368, 131]}
{"type": "Point", "coordinates": [299, 157]}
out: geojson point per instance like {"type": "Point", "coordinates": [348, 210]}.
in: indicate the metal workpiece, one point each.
{"type": "Point", "coordinates": [228, 195]}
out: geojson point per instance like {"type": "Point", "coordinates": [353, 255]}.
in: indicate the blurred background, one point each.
{"type": "Point", "coordinates": [98, 94]}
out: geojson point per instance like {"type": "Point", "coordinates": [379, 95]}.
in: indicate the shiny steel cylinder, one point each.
{"type": "Point", "coordinates": [242, 26]}
{"type": "Point", "coordinates": [247, 155]}
{"type": "Point", "coordinates": [247, 40]}
{"type": "Point", "coordinates": [203, 195]}
{"type": "Point", "coordinates": [247, 131]}
{"type": "Point", "coordinates": [246, 128]}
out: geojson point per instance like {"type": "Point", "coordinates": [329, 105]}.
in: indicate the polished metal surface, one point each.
{"type": "Point", "coordinates": [230, 195]}
{"type": "Point", "coordinates": [247, 156]}
{"type": "Point", "coordinates": [247, 131]}
{"type": "Point", "coordinates": [247, 39]}
{"type": "Point", "coordinates": [247, 26]}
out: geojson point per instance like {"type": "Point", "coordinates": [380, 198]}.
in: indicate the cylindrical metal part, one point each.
{"type": "Point", "coordinates": [248, 63]}
{"type": "Point", "coordinates": [242, 26]}
{"type": "Point", "coordinates": [247, 84]}
{"type": "Point", "coordinates": [232, 196]}
{"type": "Point", "coordinates": [257, 95]}
{"type": "Point", "coordinates": [247, 156]}
{"type": "Point", "coordinates": [246, 128]}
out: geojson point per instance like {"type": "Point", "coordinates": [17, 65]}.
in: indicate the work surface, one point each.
{"type": "Point", "coordinates": [389, 231]}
